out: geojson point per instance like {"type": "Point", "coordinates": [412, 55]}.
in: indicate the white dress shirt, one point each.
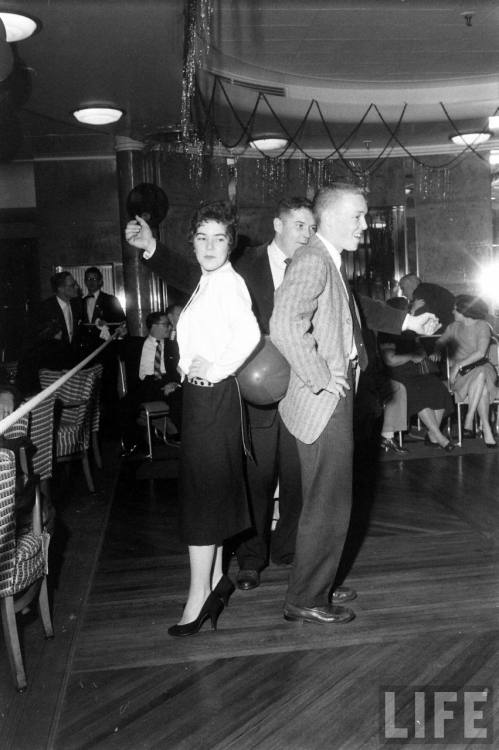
{"type": "Point", "coordinates": [147, 357]}
{"type": "Point", "coordinates": [336, 256]}
{"type": "Point", "coordinates": [218, 324]}
{"type": "Point", "coordinates": [68, 316]}
{"type": "Point", "coordinates": [277, 264]}
{"type": "Point", "coordinates": [91, 302]}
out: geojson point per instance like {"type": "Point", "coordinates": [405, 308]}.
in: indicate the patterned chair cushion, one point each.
{"type": "Point", "coordinates": [29, 561]}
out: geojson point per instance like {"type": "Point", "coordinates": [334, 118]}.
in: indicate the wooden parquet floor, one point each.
{"type": "Point", "coordinates": [426, 568]}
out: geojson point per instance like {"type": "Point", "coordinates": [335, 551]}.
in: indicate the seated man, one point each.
{"type": "Point", "coordinates": [152, 375]}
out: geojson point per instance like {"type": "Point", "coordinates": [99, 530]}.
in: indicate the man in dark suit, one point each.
{"type": "Point", "coordinates": [316, 326]}
{"type": "Point", "coordinates": [102, 308]}
{"type": "Point", "coordinates": [98, 307]}
{"type": "Point", "coordinates": [274, 448]}
{"type": "Point", "coordinates": [425, 297]}
{"type": "Point", "coordinates": [151, 374]}
{"type": "Point", "coordinates": [63, 308]}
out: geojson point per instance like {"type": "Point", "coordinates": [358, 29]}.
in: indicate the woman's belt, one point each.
{"type": "Point", "coordinates": [200, 381]}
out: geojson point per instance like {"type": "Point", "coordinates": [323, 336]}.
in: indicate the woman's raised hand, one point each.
{"type": "Point", "coordinates": [138, 234]}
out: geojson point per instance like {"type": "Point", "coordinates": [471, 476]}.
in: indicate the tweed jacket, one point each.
{"type": "Point", "coordinates": [312, 327]}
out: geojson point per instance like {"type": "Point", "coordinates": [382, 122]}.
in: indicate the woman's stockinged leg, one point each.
{"type": "Point", "coordinates": [474, 395]}
{"type": "Point", "coordinates": [201, 559]}
{"type": "Point", "coordinates": [217, 567]}
{"type": "Point", "coordinates": [483, 413]}
{"type": "Point", "coordinates": [430, 419]}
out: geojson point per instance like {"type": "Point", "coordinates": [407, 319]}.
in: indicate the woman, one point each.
{"type": "Point", "coordinates": [427, 396]}
{"type": "Point", "coordinates": [471, 375]}
{"type": "Point", "coordinates": [216, 333]}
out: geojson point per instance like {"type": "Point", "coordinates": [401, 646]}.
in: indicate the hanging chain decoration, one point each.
{"type": "Point", "coordinates": [339, 150]}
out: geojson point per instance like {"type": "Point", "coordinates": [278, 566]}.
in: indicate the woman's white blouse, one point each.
{"type": "Point", "coordinates": [218, 324]}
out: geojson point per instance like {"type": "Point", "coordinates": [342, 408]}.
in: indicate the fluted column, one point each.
{"type": "Point", "coordinates": [130, 170]}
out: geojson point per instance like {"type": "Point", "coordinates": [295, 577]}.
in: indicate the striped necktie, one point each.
{"type": "Point", "coordinates": [357, 333]}
{"type": "Point", "coordinates": [157, 360]}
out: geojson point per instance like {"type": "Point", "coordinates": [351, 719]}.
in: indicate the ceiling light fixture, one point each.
{"type": "Point", "coordinates": [19, 26]}
{"type": "Point", "coordinates": [470, 139]}
{"type": "Point", "coordinates": [98, 115]}
{"type": "Point", "coordinates": [494, 122]}
{"type": "Point", "coordinates": [494, 157]}
{"type": "Point", "coordinates": [269, 142]}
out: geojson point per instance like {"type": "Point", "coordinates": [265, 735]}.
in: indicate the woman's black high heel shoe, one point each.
{"type": "Point", "coordinates": [224, 589]}
{"type": "Point", "coordinates": [468, 434]}
{"type": "Point", "coordinates": [448, 447]}
{"type": "Point", "coordinates": [211, 609]}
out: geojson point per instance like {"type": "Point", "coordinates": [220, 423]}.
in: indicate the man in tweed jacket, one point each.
{"type": "Point", "coordinates": [315, 325]}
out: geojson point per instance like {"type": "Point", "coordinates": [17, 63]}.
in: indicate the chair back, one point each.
{"type": "Point", "coordinates": [41, 434]}
{"type": "Point", "coordinates": [75, 420]}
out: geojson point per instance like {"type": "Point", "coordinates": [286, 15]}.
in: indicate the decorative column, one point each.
{"type": "Point", "coordinates": [130, 169]}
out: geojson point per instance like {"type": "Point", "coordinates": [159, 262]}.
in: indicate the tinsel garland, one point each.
{"type": "Point", "coordinates": [198, 16]}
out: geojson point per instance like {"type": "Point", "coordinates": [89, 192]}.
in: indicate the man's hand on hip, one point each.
{"type": "Point", "coordinates": [338, 385]}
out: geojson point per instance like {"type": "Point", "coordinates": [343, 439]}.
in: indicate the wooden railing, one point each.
{"type": "Point", "coordinates": [27, 406]}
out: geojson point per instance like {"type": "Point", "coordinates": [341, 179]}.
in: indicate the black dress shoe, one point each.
{"type": "Point", "coordinates": [468, 434]}
{"type": "Point", "coordinates": [343, 594]}
{"type": "Point", "coordinates": [248, 579]}
{"type": "Point", "coordinates": [325, 614]}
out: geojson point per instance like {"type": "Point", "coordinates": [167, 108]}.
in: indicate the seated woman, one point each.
{"type": "Point", "coordinates": [471, 375]}
{"type": "Point", "coordinates": [426, 395]}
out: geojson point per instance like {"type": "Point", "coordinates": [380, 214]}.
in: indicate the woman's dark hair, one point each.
{"type": "Point", "coordinates": [471, 307]}
{"type": "Point", "coordinates": [155, 317]}
{"type": "Point", "coordinates": [219, 211]}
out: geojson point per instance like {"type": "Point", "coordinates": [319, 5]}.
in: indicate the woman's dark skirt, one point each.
{"type": "Point", "coordinates": [213, 501]}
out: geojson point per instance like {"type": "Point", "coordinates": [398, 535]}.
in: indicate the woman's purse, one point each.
{"type": "Point", "coordinates": [477, 363]}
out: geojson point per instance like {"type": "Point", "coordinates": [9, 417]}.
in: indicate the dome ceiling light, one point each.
{"type": "Point", "coordinates": [470, 139]}
{"type": "Point", "coordinates": [18, 26]}
{"type": "Point", "coordinates": [269, 142]}
{"type": "Point", "coordinates": [98, 115]}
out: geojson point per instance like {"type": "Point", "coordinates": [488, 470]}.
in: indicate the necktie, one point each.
{"type": "Point", "coordinates": [157, 360]}
{"type": "Point", "coordinates": [287, 261]}
{"type": "Point", "coordinates": [357, 333]}
{"type": "Point", "coordinates": [68, 316]}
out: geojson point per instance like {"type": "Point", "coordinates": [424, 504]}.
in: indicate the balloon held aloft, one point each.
{"type": "Point", "coordinates": [264, 378]}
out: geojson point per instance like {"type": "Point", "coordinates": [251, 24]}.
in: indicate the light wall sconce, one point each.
{"type": "Point", "coordinates": [470, 139]}
{"type": "Point", "coordinates": [268, 142]}
{"type": "Point", "coordinates": [19, 26]}
{"type": "Point", "coordinates": [98, 115]}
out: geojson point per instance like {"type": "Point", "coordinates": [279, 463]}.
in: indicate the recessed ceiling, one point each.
{"type": "Point", "coordinates": [345, 55]}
